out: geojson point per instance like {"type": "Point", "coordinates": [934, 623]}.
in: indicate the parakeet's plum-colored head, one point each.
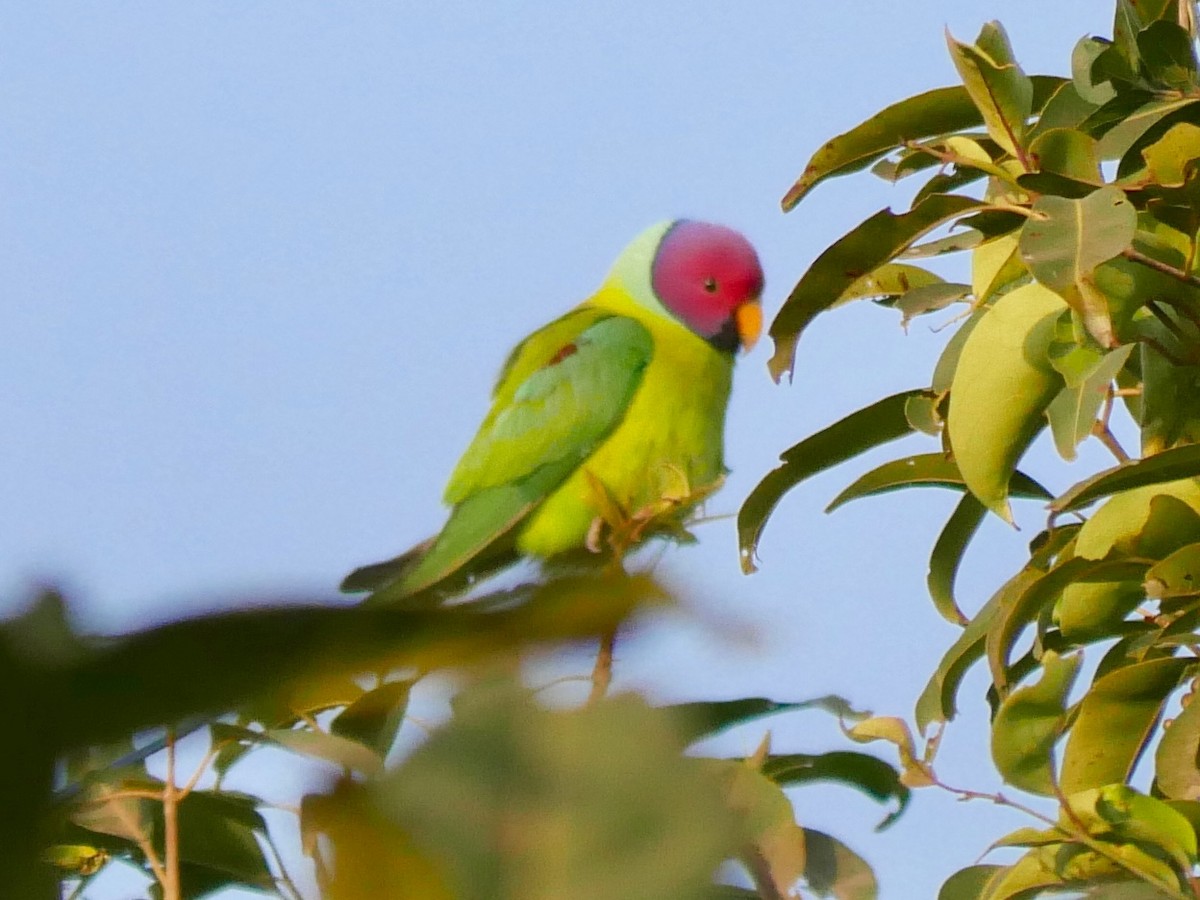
{"type": "Point", "coordinates": [709, 278]}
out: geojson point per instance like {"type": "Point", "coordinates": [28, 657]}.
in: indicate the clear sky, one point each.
{"type": "Point", "coordinates": [260, 262]}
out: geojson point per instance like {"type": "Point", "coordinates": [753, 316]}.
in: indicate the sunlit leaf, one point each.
{"type": "Point", "coordinates": [1029, 723]}
{"type": "Point", "coordinates": [374, 719]}
{"type": "Point", "coordinates": [969, 883]}
{"type": "Point", "coordinates": [1115, 721]}
{"type": "Point", "coordinates": [1177, 759]}
{"type": "Point", "coordinates": [1001, 385]}
{"type": "Point", "coordinates": [1073, 412]}
{"type": "Point", "coordinates": [997, 86]}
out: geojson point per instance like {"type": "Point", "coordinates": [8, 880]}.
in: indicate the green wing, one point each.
{"type": "Point", "coordinates": [561, 393]}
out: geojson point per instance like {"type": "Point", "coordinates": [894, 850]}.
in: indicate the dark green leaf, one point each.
{"type": "Point", "coordinates": [704, 718]}
{"type": "Point", "coordinates": [925, 470]}
{"type": "Point", "coordinates": [932, 113]}
{"type": "Point", "coordinates": [1168, 57]}
{"type": "Point", "coordinates": [947, 556]}
{"type": "Point", "coordinates": [864, 249]}
{"type": "Point", "coordinates": [997, 86]}
{"type": "Point", "coordinates": [869, 427]}
{"type": "Point", "coordinates": [1170, 465]}
{"type": "Point", "coordinates": [833, 868]}
{"type": "Point", "coordinates": [865, 773]}
{"type": "Point", "coordinates": [374, 719]}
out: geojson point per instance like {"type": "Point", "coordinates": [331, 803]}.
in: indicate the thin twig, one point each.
{"type": "Point", "coordinates": [1101, 430]}
{"type": "Point", "coordinates": [134, 828]}
{"type": "Point", "coordinates": [170, 802]}
{"type": "Point", "coordinates": [1076, 833]}
{"type": "Point", "coordinates": [602, 672]}
{"type": "Point", "coordinates": [284, 879]}
{"type": "Point", "coordinates": [1165, 268]}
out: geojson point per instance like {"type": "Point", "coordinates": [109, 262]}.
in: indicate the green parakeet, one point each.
{"type": "Point", "coordinates": [618, 402]}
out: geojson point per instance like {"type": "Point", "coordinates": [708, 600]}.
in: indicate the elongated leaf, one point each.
{"type": "Point", "coordinates": [1002, 92]}
{"type": "Point", "coordinates": [925, 470]}
{"type": "Point", "coordinates": [1115, 722]}
{"type": "Point", "coordinates": [1176, 576]}
{"type": "Point", "coordinates": [868, 246]}
{"type": "Point", "coordinates": [930, 298]}
{"type": "Point", "coordinates": [708, 717]}
{"type": "Point", "coordinates": [374, 719]}
{"type": "Point", "coordinates": [932, 113]}
{"type": "Point", "coordinates": [1001, 385]}
{"type": "Point", "coordinates": [869, 427]}
{"type": "Point", "coordinates": [938, 702]}
{"type": "Point", "coordinates": [1029, 723]}
{"type": "Point", "coordinates": [1073, 412]}
{"type": "Point", "coordinates": [1170, 465]}
{"type": "Point", "coordinates": [875, 778]}
{"type": "Point", "coordinates": [1132, 125]}
{"type": "Point", "coordinates": [947, 556]}
{"type": "Point", "coordinates": [1177, 760]}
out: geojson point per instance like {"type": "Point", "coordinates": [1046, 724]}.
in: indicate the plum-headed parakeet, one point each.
{"type": "Point", "coordinates": [617, 402]}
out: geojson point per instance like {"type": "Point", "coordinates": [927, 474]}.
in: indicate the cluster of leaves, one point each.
{"type": "Point", "coordinates": [508, 798]}
{"type": "Point", "coordinates": [1079, 201]}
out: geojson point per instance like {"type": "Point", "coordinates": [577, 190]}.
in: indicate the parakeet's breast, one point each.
{"type": "Point", "coordinates": [670, 441]}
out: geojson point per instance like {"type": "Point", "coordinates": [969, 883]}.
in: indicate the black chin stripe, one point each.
{"type": "Point", "coordinates": [727, 338]}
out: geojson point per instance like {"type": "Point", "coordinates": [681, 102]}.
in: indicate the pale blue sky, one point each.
{"type": "Point", "coordinates": [262, 260]}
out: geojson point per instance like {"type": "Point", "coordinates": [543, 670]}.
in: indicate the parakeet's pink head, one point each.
{"type": "Point", "coordinates": [709, 278]}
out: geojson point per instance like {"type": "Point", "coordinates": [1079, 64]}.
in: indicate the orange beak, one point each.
{"type": "Point", "coordinates": [748, 319]}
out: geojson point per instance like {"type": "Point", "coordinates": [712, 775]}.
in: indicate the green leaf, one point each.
{"type": "Point", "coordinates": [1092, 90]}
{"type": "Point", "coordinates": [871, 426]}
{"type": "Point", "coordinates": [1163, 468]}
{"type": "Point", "coordinates": [925, 470]}
{"type": "Point", "coordinates": [834, 869]}
{"type": "Point", "coordinates": [997, 86]}
{"type": "Point", "coordinates": [1029, 723]}
{"type": "Point", "coordinates": [875, 778]}
{"type": "Point", "coordinates": [865, 248]}
{"type": "Point", "coordinates": [1133, 125]}
{"type": "Point", "coordinates": [996, 266]}
{"type": "Point", "coordinates": [935, 112]}
{"type": "Point", "coordinates": [1064, 242]}
{"type": "Point", "coordinates": [937, 702]}
{"type": "Point", "coordinates": [340, 751]}
{"type": "Point", "coordinates": [1168, 57]}
{"type": "Point", "coordinates": [969, 883]}
{"type": "Point", "coordinates": [774, 845]}
{"type": "Point", "coordinates": [550, 793]}
{"type": "Point", "coordinates": [705, 718]}
{"type": "Point", "coordinates": [1119, 810]}
{"type": "Point", "coordinates": [1074, 411]}
{"type": "Point", "coordinates": [1115, 721]}
{"type": "Point", "coordinates": [374, 719]}
{"type": "Point", "coordinates": [1170, 397]}
{"type": "Point", "coordinates": [218, 831]}
{"type": "Point", "coordinates": [947, 556]}
{"type": "Point", "coordinates": [930, 298]}
{"type": "Point", "coordinates": [1001, 386]}
{"type": "Point", "coordinates": [1067, 152]}
{"type": "Point", "coordinates": [1176, 773]}
{"type": "Point", "coordinates": [890, 280]}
